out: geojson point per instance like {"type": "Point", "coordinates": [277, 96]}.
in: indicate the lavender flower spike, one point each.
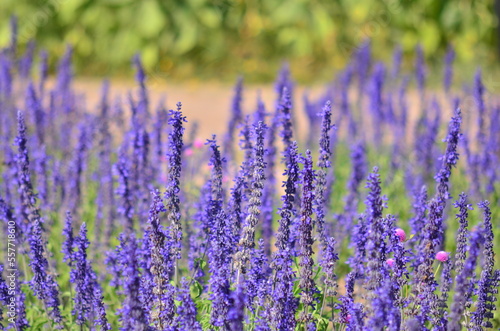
{"type": "Point", "coordinates": [236, 117]}
{"type": "Point", "coordinates": [463, 281]}
{"type": "Point", "coordinates": [220, 240]}
{"type": "Point", "coordinates": [375, 245]}
{"type": "Point", "coordinates": [490, 278]}
{"type": "Point", "coordinates": [67, 247]}
{"type": "Point", "coordinates": [284, 304]}
{"type": "Point", "coordinates": [323, 164]}
{"type": "Point", "coordinates": [86, 304]}
{"type": "Point", "coordinates": [247, 240]}
{"type": "Point", "coordinates": [123, 190]}
{"type": "Point", "coordinates": [307, 285]}
{"type": "Point", "coordinates": [43, 285]}
{"type": "Point", "coordinates": [172, 192]}
{"type": "Point", "coordinates": [284, 109]}
{"type": "Point", "coordinates": [186, 312]}
{"type": "Point", "coordinates": [162, 262]}
{"type": "Point", "coordinates": [132, 314]}
{"type": "Point", "coordinates": [450, 158]}
{"type": "Point", "coordinates": [461, 240]}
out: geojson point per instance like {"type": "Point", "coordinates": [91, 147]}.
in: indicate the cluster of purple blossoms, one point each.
{"type": "Point", "coordinates": [218, 249]}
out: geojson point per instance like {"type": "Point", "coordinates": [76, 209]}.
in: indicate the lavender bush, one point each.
{"type": "Point", "coordinates": [109, 222]}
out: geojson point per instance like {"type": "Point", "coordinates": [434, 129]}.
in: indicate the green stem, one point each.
{"type": "Point", "coordinates": [437, 270]}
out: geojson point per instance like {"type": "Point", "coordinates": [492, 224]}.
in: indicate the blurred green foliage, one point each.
{"type": "Point", "coordinates": [221, 38]}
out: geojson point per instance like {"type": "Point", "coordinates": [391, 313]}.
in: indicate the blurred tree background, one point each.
{"type": "Point", "coordinates": [219, 39]}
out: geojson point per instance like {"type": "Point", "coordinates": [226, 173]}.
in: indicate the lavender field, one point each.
{"type": "Point", "coordinates": [383, 217]}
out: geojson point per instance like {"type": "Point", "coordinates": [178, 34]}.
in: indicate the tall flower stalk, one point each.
{"type": "Point", "coordinates": [43, 283]}
{"type": "Point", "coordinates": [172, 192]}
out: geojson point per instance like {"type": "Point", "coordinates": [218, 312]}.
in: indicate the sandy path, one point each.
{"type": "Point", "coordinates": [209, 104]}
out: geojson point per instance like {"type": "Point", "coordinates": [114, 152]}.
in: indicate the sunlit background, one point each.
{"type": "Point", "coordinates": [201, 39]}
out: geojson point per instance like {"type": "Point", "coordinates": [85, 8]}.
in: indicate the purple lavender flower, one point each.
{"type": "Point", "coordinates": [123, 190]}
{"type": "Point", "coordinates": [86, 303]}
{"type": "Point", "coordinates": [186, 311]}
{"type": "Point", "coordinates": [489, 280]}
{"type": "Point", "coordinates": [44, 70]}
{"type": "Point", "coordinates": [449, 160]}
{"type": "Point", "coordinates": [65, 73]}
{"type": "Point", "coordinates": [284, 304]}
{"type": "Point", "coordinates": [307, 285]}
{"type": "Point", "coordinates": [403, 106]}
{"type": "Point", "coordinates": [5, 295]}
{"type": "Point", "coordinates": [376, 249]}
{"type": "Point", "coordinates": [220, 242]}
{"type": "Point", "coordinates": [269, 186]}
{"type": "Point", "coordinates": [10, 174]}
{"type": "Point", "coordinates": [311, 111]}
{"type": "Point", "coordinates": [359, 239]}
{"type": "Point", "coordinates": [445, 287]}
{"type": "Point", "coordinates": [448, 68]}
{"type": "Point", "coordinates": [34, 106]}
{"type": "Point", "coordinates": [351, 313]}
{"type": "Point", "coordinates": [260, 112]}
{"type": "Point", "coordinates": [461, 240]}
{"type": "Point", "coordinates": [26, 61]}
{"type": "Point", "coordinates": [5, 76]}
{"type": "Point", "coordinates": [473, 166]}
{"type": "Point", "coordinates": [327, 263]}
{"type": "Point", "coordinates": [43, 285]}
{"type": "Point", "coordinates": [417, 222]}
{"type": "Point", "coordinates": [161, 119]}
{"type": "Point", "coordinates": [23, 172]}
{"type": "Point", "coordinates": [236, 206]}
{"type": "Point", "coordinates": [67, 246]}
{"type": "Point", "coordinates": [77, 168]}
{"type": "Point", "coordinates": [246, 242]}
{"type": "Point", "coordinates": [106, 193]}
{"type": "Point", "coordinates": [287, 211]}
{"type": "Point", "coordinates": [41, 170]}
{"type": "Point", "coordinates": [324, 163]}
{"type": "Point", "coordinates": [283, 81]}
{"type": "Point", "coordinates": [236, 117]}
{"type": "Point", "coordinates": [162, 263]}
{"type": "Point", "coordinates": [424, 284]}
{"type": "Point", "coordinates": [376, 101]}
{"type": "Point", "coordinates": [481, 107]}
{"type": "Point", "coordinates": [100, 310]}
{"type": "Point", "coordinates": [400, 274]}
{"type": "Point", "coordinates": [174, 173]}
{"type": "Point", "coordinates": [246, 146]}
{"type": "Point", "coordinates": [363, 61]}
{"type": "Point", "coordinates": [198, 240]}
{"type": "Point", "coordinates": [464, 282]}
{"type": "Point", "coordinates": [284, 109]}
{"type": "Point", "coordinates": [140, 176]}
{"type": "Point", "coordinates": [132, 314]}
{"type": "Point", "coordinates": [147, 279]}
{"type": "Point", "coordinates": [236, 313]}
{"type": "Point", "coordinates": [358, 174]}
{"type": "Point", "coordinates": [140, 76]}
{"type": "Point", "coordinates": [13, 298]}
{"type": "Point", "coordinates": [256, 277]}
{"type": "Point", "coordinates": [385, 312]}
